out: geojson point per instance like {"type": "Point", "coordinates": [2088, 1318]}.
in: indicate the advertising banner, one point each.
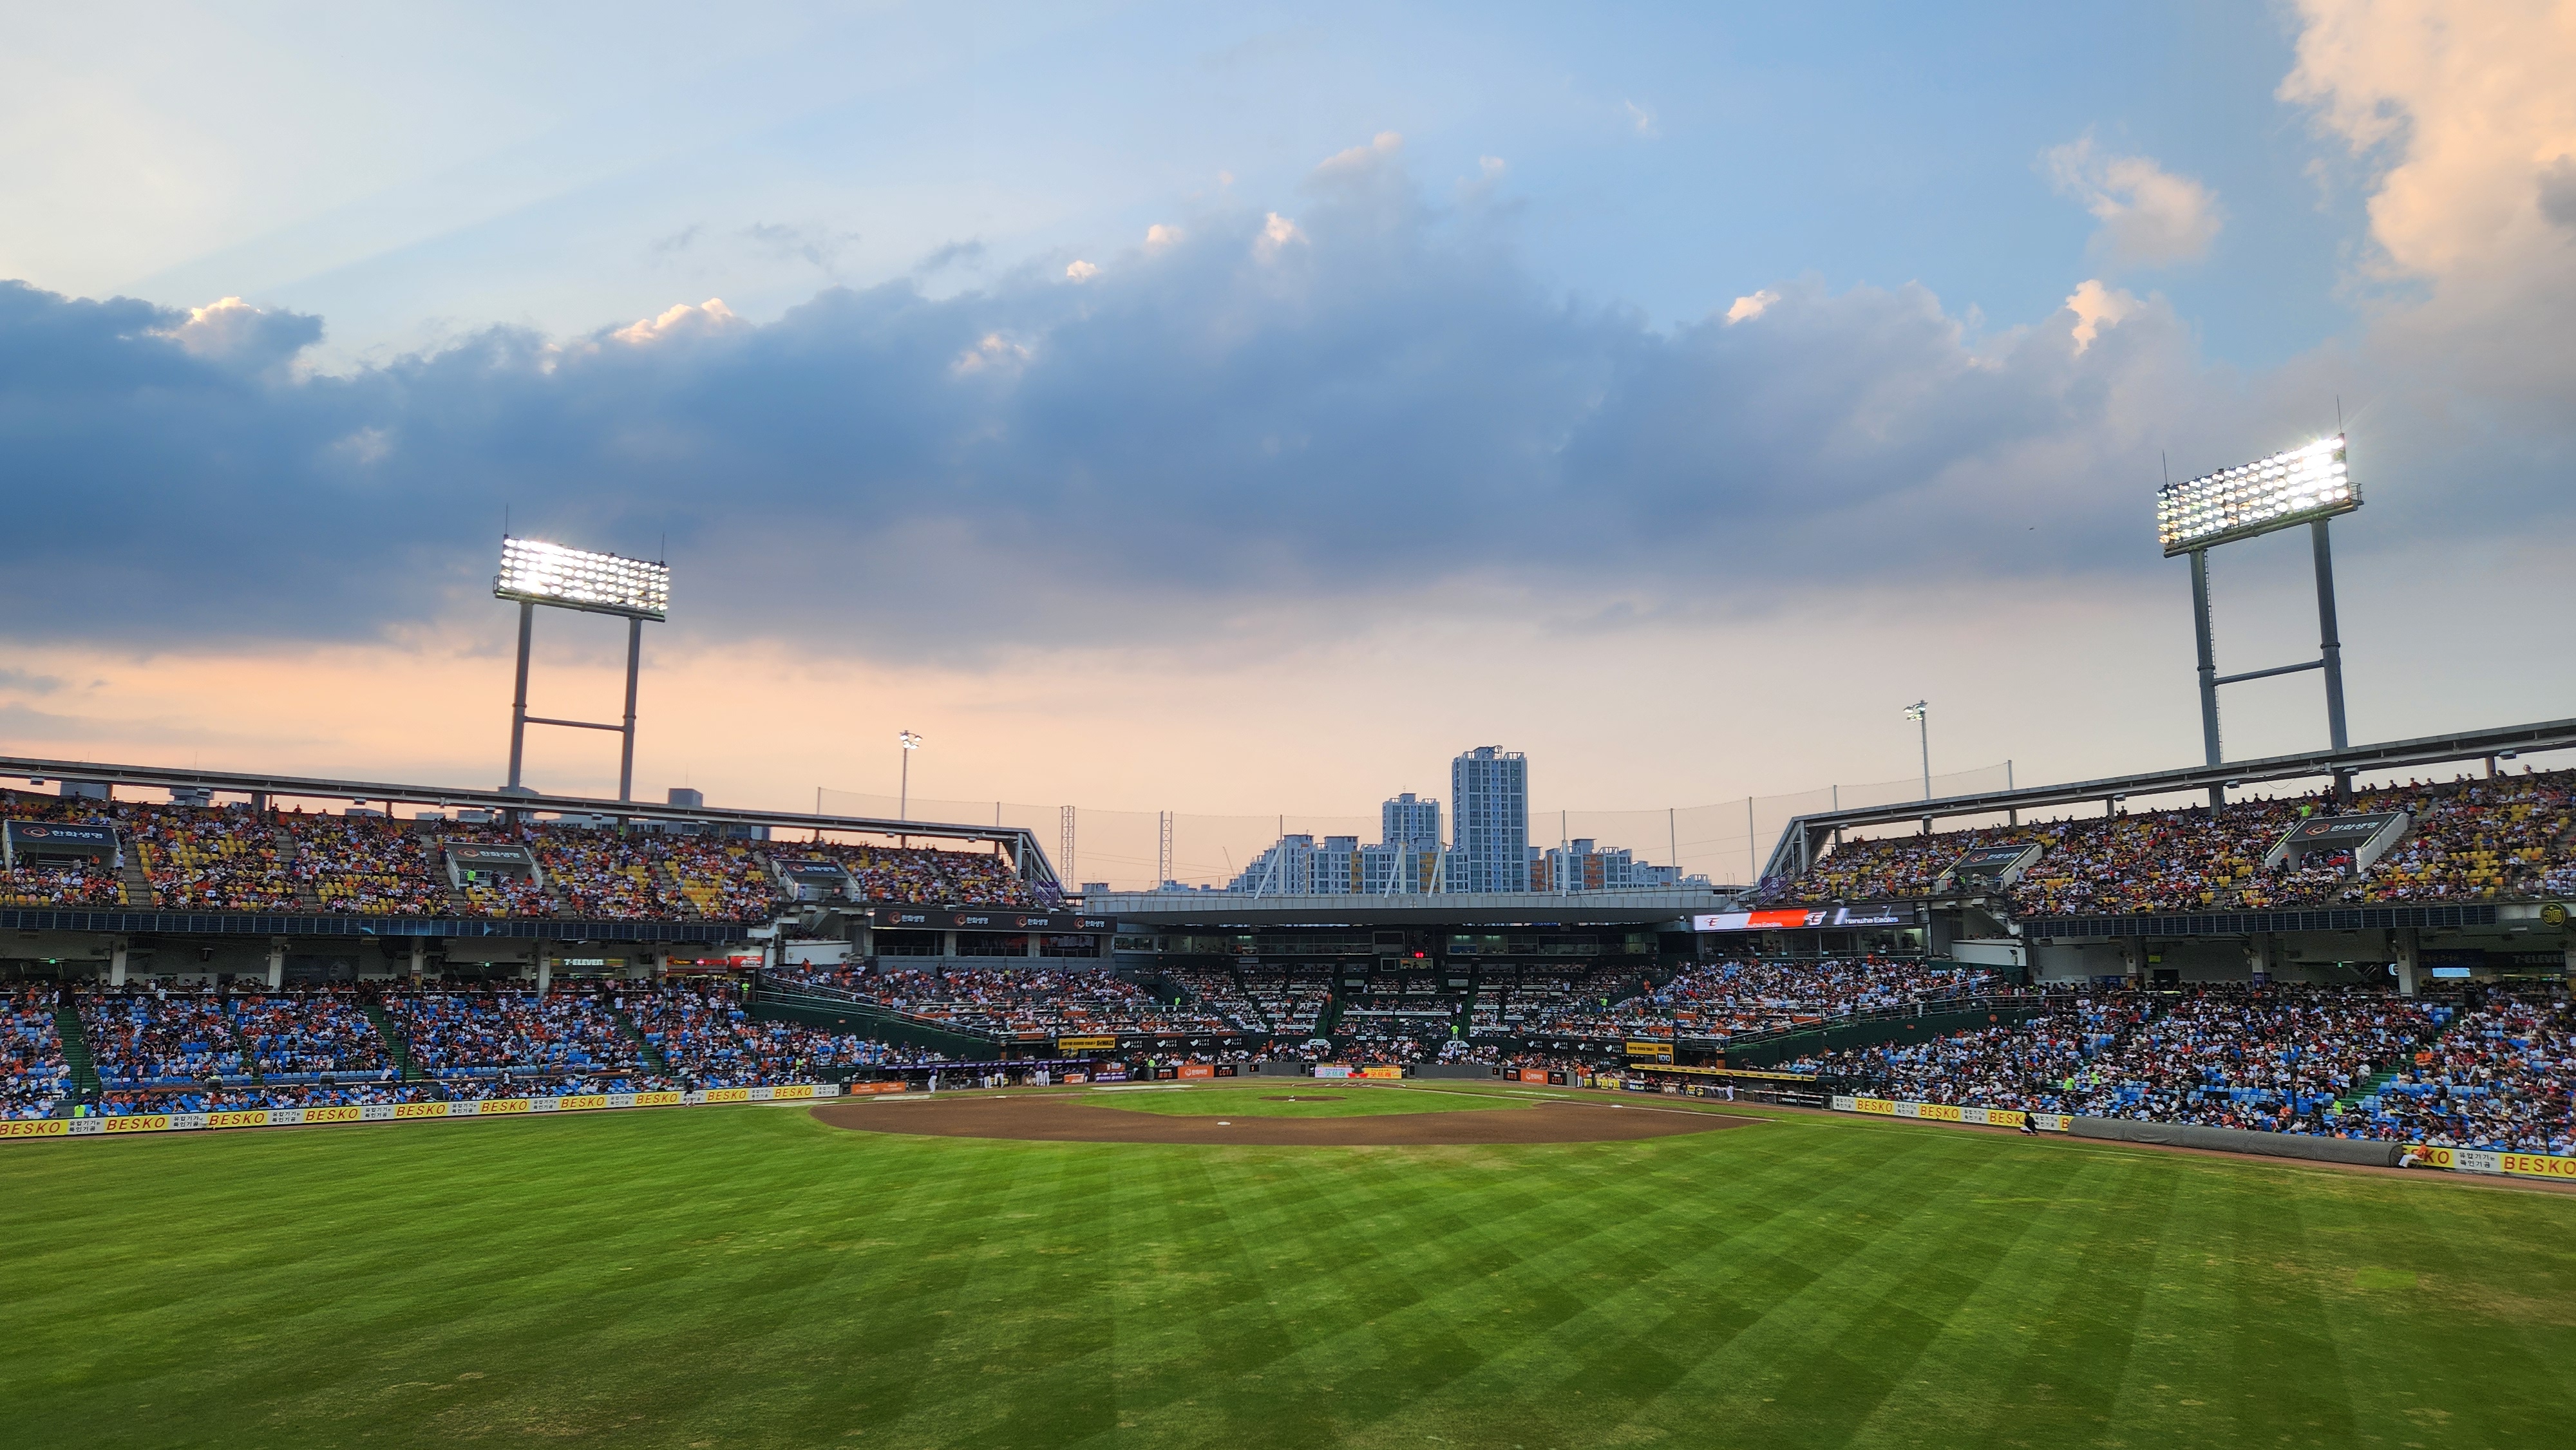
{"type": "Point", "coordinates": [142, 1123]}
{"type": "Point", "coordinates": [42, 838]}
{"type": "Point", "coordinates": [1382, 1072]}
{"type": "Point", "coordinates": [35, 1128]}
{"type": "Point", "coordinates": [858, 1089]}
{"type": "Point", "coordinates": [1658, 1051]}
{"type": "Point", "coordinates": [1070, 1046]}
{"type": "Point", "coordinates": [498, 1106]}
{"type": "Point", "coordinates": [1198, 1069]}
{"type": "Point", "coordinates": [725, 1095]}
{"type": "Point", "coordinates": [1760, 920]}
{"type": "Point", "coordinates": [1534, 1074]}
{"type": "Point", "coordinates": [2487, 1160]}
{"type": "Point", "coordinates": [1331, 1070]}
{"type": "Point", "coordinates": [1874, 916]}
{"type": "Point", "coordinates": [1951, 1113]}
{"type": "Point", "coordinates": [344, 1113]}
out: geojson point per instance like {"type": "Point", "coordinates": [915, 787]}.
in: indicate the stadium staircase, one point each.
{"type": "Point", "coordinates": [306, 898]}
{"type": "Point", "coordinates": [67, 1025]}
{"type": "Point", "coordinates": [396, 1048]}
{"type": "Point", "coordinates": [137, 883]}
{"type": "Point", "coordinates": [652, 1055]}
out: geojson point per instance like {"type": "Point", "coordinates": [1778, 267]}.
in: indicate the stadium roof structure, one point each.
{"type": "Point", "coordinates": [1021, 844]}
{"type": "Point", "coordinates": [1150, 909]}
{"type": "Point", "coordinates": [1803, 839]}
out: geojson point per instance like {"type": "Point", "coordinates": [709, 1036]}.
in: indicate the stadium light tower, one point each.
{"type": "Point", "coordinates": [534, 572]}
{"type": "Point", "coordinates": [903, 800]}
{"type": "Point", "coordinates": [2307, 485]}
{"type": "Point", "coordinates": [1921, 714]}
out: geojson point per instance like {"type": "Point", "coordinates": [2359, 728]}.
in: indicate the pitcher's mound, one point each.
{"type": "Point", "coordinates": [1059, 1120]}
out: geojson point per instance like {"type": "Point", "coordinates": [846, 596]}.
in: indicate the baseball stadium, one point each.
{"type": "Point", "coordinates": [705, 716]}
{"type": "Point", "coordinates": [2030, 1117]}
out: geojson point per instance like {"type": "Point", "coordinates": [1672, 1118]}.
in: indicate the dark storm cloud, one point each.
{"type": "Point", "coordinates": [1259, 412]}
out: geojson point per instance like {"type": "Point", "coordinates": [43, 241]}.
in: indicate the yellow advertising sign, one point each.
{"type": "Point", "coordinates": [657, 1100]}
{"type": "Point", "coordinates": [1382, 1072]}
{"type": "Point", "coordinates": [420, 1110]}
{"type": "Point", "coordinates": [1661, 1051]}
{"type": "Point", "coordinates": [728, 1095]}
{"type": "Point", "coordinates": [798, 1090]}
{"type": "Point", "coordinates": [1941, 1112]}
{"type": "Point", "coordinates": [1086, 1044]}
{"type": "Point", "coordinates": [1880, 1106]}
{"type": "Point", "coordinates": [35, 1128]}
{"type": "Point", "coordinates": [581, 1103]}
{"type": "Point", "coordinates": [333, 1115]}
{"type": "Point", "coordinates": [492, 1106]}
{"type": "Point", "coordinates": [143, 1123]}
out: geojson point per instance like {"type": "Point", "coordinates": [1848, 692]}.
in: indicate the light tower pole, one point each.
{"type": "Point", "coordinates": [1921, 714]}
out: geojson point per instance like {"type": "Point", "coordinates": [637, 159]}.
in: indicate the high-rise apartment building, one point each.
{"type": "Point", "coordinates": [1489, 812]}
{"type": "Point", "coordinates": [1409, 821]}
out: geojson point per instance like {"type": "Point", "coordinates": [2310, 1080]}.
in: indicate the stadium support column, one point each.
{"type": "Point", "coordinates": [276, 965]}
{"type": "Point", "coordinates": [2330, 651]}
{"type": "Point", "coordinates": [545, 972]}
{"type": "Point", "coordinates": [2407, 946]}
{"type": "Point", "coordinates": [519, 697]}
{"type": "Point", "coordinates": [116, 965]}
{"type": "Point", "coordinates": [626, 754]}
{"type": "Point", "coordinates": [2209, 746]}
{"type": "Point", "coordinates": [419, 958]}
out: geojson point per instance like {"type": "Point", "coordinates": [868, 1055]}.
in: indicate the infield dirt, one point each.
{"type": "Point", "coordinates": [1067, 1120]}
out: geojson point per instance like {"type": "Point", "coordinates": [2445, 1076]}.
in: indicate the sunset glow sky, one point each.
{"type": "Point", "coordinates": [1244, 409]}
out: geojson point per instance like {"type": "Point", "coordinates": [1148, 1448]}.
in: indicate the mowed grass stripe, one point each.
{"type": "Point", "coordinates": [749, 1277]}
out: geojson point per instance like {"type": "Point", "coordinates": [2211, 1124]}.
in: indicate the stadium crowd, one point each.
{"type": "Point", "coordinates": [479, 1034]}
{"type": "Point", "coordinates": [2490, 1070]}
{"type": "Point", "coordinates": [34, 1076]}
{"type": "Point", "coordinates": [61, 884]}
{"type": "Point", "coordinates": [2512, 836]}
{"type": "Point", "coordinates": [235, 858]}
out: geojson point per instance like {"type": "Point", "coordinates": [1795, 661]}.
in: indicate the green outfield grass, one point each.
{"type": "Point", "coordinates": [728, 1277]}
{"type": "Point", "coordinates": [1257, 1102]}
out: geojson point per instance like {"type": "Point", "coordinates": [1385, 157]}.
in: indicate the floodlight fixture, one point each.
{"type": "Point", "coordinates": [2307, 485]}
{"type": "Point", "coordinates": [2278, 492]}
{"type": "Point", "coordinates": [536, 572]}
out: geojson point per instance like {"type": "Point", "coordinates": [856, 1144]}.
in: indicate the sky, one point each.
{"type": "Point", "coordinates": [1245, 409]}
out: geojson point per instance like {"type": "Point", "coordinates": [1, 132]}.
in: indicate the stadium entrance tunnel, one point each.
{"type": "Point", "coordinates": [1067, 1120]}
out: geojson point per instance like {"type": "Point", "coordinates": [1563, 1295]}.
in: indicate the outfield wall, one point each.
{"type": "Point", "coordinates": [2370, 1152]}
{"type": "Point", "coordinates": [126, 1124]}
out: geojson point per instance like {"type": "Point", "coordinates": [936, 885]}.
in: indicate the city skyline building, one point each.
{"type": "Point", "coordinates": [1489, 815]}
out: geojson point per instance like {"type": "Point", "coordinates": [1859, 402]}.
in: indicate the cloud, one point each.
{"type": "Point", "coordinates": [2463, 121]}
{"type": "Point", "coordinates": [1273, 412]}
{"type": "Point", "coordinates": [1160, 235]}
{"type": "Point", "coordinates": [2096, 307]}
{"type": "Point", "coordinates": [708, 316]}
{"type": "Point", "coordinates": [27, 682]}
{"type": "Point", "coordinates": [1641, 120]}
{"type": "Point", "coordinates": [1079, 270]}
{"type": "Point", "coordinates": [2558, 193]}
{"type": "Point", "coordinates": [967, 253]}
{"type": "Point", "coordinates": [817, 246]}
{"type": "Point", "coordinates": [2149, 216]}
